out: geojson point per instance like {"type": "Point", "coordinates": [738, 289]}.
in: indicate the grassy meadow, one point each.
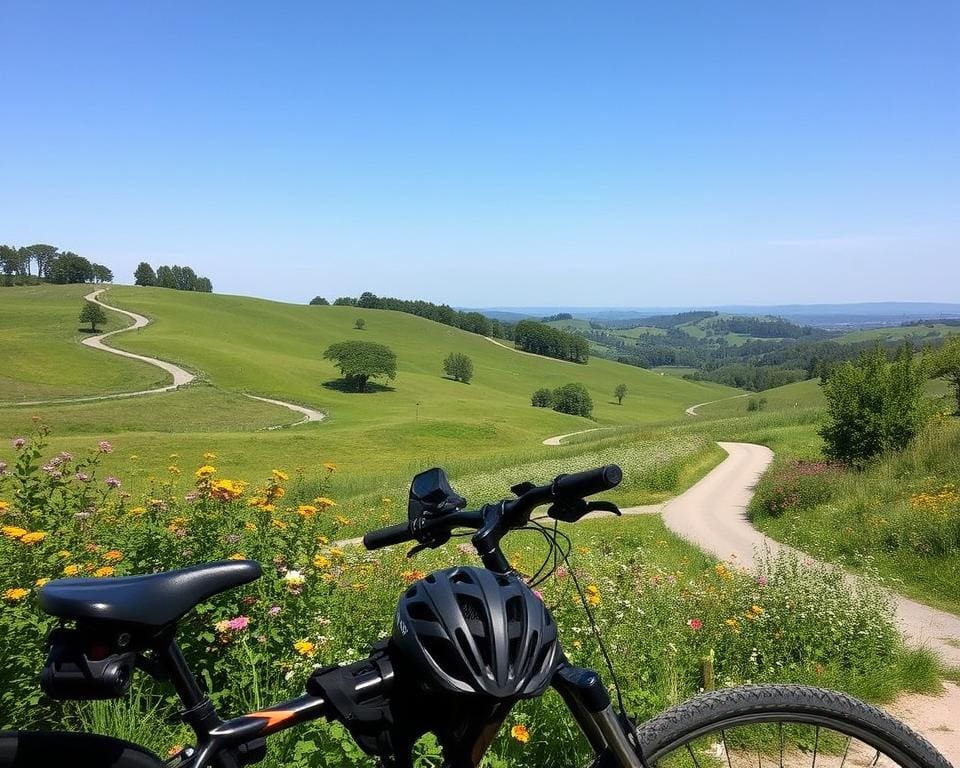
{"type": "Point", "coordinates": [42, 356]}
{"type": "Point", "coordinates": [241, 345]}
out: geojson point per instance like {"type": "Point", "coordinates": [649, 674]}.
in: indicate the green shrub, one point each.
{"type": "Point", "coordinates": [873, 406]}
{"type": "Point", "coordinates": [458, 367]}
{"type": "Point", "coordinates": [574, 399]}
{"type": "Point", "coordinates": [542, 398]}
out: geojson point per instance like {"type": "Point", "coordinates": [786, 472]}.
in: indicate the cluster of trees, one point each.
{"type": "Point", "coordinates": [176, 277]}
{"type": "Point", "coordinates": [40, 262]}
{"type": "Point", "coordinates": [474, 322]}
{"type": "Point", "coordinates": [765, 327]}
{"type": "Point", "coordinates": [531, 336]}
{"type": "Point", "coordinates": [570, 398]}
{"type": "Point", "coordinates": [557, 317]}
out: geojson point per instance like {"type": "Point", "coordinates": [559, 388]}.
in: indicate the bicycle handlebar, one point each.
{"type": "Point", "coordinates": [513, 512]}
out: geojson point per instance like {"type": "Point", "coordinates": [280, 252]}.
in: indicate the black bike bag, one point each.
{"type": "Point", "coordinates": [88, 663]}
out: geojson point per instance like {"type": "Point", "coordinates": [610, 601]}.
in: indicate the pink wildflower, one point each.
{"type": "Point", "coordinates": [695, 624]}
{"type": "Point", "coordinates": [19, 442]}
{"type": "Point", "coordinates": [104, 447]}
{"type": "Point", "coordinates": [112, 482]}
{"type": "Point", "coordinates": [238, 624]}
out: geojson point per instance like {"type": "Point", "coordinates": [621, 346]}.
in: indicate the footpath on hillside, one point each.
{"type": "Point", "coordinates": [180, 376]}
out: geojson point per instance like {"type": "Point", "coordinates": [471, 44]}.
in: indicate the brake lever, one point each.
{"type": "Point", "coordinates": [572, 510]}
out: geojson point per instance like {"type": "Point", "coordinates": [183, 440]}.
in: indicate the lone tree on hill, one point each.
{"type": "Point", "coordinates": [144, 275]}
{"type": "Point", "coordinates": [573, 399]}
{"type": "Point", "coordinates": [319, 301]}
{"type": "Point", "coordinates": [360, 324]}
{"type": "Point", "coordinates": [873, 405]}
{"type": "Point", "coordinates": [93, 314]}
{"type": "Point", "coordinates": [360, 361]}
{"type": "Point", "coordinates": [458, 367]}
{"type": "Point", "coordinates": [620, 392]}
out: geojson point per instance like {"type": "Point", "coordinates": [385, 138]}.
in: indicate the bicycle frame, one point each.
{"type": "Point", "coordinates": [242, 740]}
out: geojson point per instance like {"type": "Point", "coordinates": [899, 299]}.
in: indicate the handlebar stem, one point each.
{"type": "Point", "coordinates": [487, 540]}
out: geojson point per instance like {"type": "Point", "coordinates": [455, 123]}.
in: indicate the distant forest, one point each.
{"type": "Point", "coordinates": [38, 263]}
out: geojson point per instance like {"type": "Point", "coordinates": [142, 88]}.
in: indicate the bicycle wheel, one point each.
{"type": "Point", "coordinates": [790, 726]}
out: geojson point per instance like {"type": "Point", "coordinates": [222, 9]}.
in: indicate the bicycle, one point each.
{"type": "Point", "coordinates": [467, 645]}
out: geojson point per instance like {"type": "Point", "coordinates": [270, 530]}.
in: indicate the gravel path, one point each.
{"type": "Point", "coordinates": [692, 410]}
{"type": "Point", "coordinates": [712, 515]}
{"type": "Point", "coordinates": [180, 376]}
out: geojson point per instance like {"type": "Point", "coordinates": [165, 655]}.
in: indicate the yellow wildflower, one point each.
{"type": "Point", "coordinates": [71, 570]}
{"type": "Point", "coordinates": [386, 500]}
{"type": "Point", "coordinates": [40, 582]}
{"type": "Point", "coordinates": [15, 594]}
{"type": "Point", "coordinates": [113, 555]}
{"type": "Point", "coordinates": [173, 469]}
{"type": "Point", "coordinates": [227, 490]}
{"type": "Point", "coordinates": [321, 561]}
{"type": "Point", "coordinates": [248, 526]}
{"type": "Point", "coordinates": [330, 466]}
{"type": "Point", "coordinates": [278, 524]}
{"type": "Point", "coordinates": [306, 510]}
{"type": "Point", "coordinates": [341, 520]}
{"type": "Point", "coordinates": [520, 733]}
{"type": "Point", "coordinates": [107, 570]}
{"type": "Point", "coordinates": [209, 456]}
{"type": "Point", "coordinates": [237, 556]}
{"type": "Point", "coordinates": [64, 553]}
{"type": "Point", "coordinates": [13, 532]}
{"type": "Point", "coordinates": [280, 475]}
{"type": "Point", "coordinates": [304, 647]}
{"type": "Point", "coordinates": [323, 539]}
{"type": "Point", "coordinates": [323, 502]}
{"type": "Point", "coordinates": [722, 571]}
{"type": "Point", "coordinates": [583, 550]}
{"type": "Point", "coordinates": [756, 610]}
{"type": "Point", "coordinates": [4, 505]}
{"type": "Point", "coordinates": [359, 586]}
{"type": "Point", "coordinates": [205, 471]}
{"type": "Point", "coordinates": [33, 537]}
{"type": "Point", "coordinates": [733, 623]}
{"type": "Point", "coordinates": [593, 594]}
{"type": "Point", "coordinates": [138, 511]}
{"type": "Point", "coordinates": [336, 552]}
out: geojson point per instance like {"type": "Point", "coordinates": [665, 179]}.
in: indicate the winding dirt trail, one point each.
{"type": "Point", "coordinates": [712, 515]}
{"type": "Point", "coordinates": [180, 376]}
{"type": "Point", "coordinates": [692, 410]}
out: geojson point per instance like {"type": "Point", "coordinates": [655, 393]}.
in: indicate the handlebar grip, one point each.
{"type": "Point", "coordinates": [384, 537]}
{"type": "Point", "coordinates": [587, 483]}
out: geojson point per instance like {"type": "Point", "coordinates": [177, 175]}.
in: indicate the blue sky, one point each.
{"type": "Point", "coordinates": [515, 153]}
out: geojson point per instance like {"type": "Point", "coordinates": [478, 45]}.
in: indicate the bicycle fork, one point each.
{"type": "Point", "coordinates": [584, 693]}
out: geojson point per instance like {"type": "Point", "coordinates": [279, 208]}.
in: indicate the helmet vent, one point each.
{"type": "Point", "coordinates": [421, 612]}
{"type": "Point", "coordinates": [461, 577]}
{"type": "Point", "coordinates": [465, 651]}
{"type": "Point", "coordinates": [514, 609]}
{"type": "Point", "coordinates": [444, 656]}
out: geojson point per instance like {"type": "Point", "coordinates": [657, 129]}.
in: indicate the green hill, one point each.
{"type": "Point", "coordinates": [242, 345]}
{"type": "Point", "coordinates": [42, 355]}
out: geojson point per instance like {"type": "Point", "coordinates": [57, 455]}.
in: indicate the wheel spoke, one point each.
{"type": "Point", "coordinates": [723, 735]}
{"type": "Point", "coordinates": [781, 743]}
{"type": "Point", "coordinates": [816, 743]}
{"type": "Point", "coordinates": [846, 749]}
{"type": "Point", "coordinates": [693, 756]}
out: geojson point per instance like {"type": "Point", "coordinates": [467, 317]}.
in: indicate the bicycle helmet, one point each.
{"type": "Point", "coordinates": [469, 630]}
